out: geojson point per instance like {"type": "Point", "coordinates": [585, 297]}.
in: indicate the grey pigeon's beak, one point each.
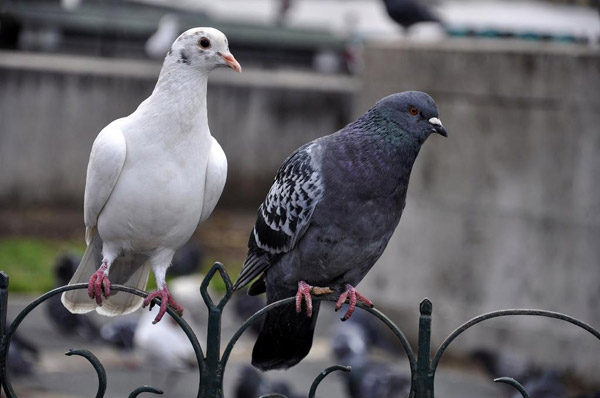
{"type": "Point", "coordinates": [231, 62]}
{"type": "Point", "coordinates": [437, 126]}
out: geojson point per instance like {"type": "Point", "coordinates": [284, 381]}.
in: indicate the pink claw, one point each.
{"type": "Point", "coordinates": [98, 283]}
{"type": "Point", "coordinates": [165, 299]}
{"type": "Point", "coordinates": [354, 296]}
{"type": "Point", "coordinates": [304, 291]}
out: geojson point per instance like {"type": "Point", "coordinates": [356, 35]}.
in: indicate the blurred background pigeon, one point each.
{"type": "Point", "coordinates": [282, 11]}
{"type": "Point", "coordinates": [22, 356]}
{"type": "Point", "coordinates": [504, 364]}
{"type": "Point", "coordinates": [546, 384]}
{"type": "Point", "coordinates": [167, 31]}
{"type": "Point", "coordinates": [165, 349]}
{"type": "Point", "coordinates": [245, 306]}
{"type": "Point", "coordinates": [63, 320]}
{"type": "Point", "coordinates": [187, 260]}
{"type": "Point", "coordinates": [252, 384]}
{"type": "Point", "coordinates": [538, 382]}
{"type": "Point", "coordinates": [120, 332]}
{"type": "Point", "coordinates": [407, 13]}
{"type": "Point", "coordinates": [353, 344]}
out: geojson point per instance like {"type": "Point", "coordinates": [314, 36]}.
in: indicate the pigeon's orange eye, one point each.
{"type": "Point", "coordinates": [204, 42]}
{"type": "Point", "coordinates": [413, 111]}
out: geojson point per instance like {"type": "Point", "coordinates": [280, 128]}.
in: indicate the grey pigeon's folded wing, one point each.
{"type": "Point", "coordinates": [285, 214]}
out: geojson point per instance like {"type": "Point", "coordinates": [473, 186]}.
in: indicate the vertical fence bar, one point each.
{"type": "Point", "coordinates": [211, 378]}
{"type": "Point", "coordinates": [3, 302]}
{"type": "Point", "coordinates": [212, 383]}
{"type": "Point", "coordinates": [423, 378]}
{"type": "Point", "coordinates": [3, 348]}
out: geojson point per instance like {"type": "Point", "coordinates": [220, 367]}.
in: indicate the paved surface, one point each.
{"type": "Point", "coordinates": [56, 375]}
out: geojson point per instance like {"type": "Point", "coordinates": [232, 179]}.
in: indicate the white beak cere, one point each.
{"type": "Point", "coordinates": [437, 126]}
{"type": "Point", "coordinates": [435, 121]}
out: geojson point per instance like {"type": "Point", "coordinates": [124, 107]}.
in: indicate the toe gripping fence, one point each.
{"type": "Point", "coordinates": [212, 364]}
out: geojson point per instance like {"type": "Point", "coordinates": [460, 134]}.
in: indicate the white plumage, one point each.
{"type": "Point", "coordinates": [152, 177]}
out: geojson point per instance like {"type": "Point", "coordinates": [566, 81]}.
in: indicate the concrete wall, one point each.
{"type": "Point", "coordinates": [505, 212]}
{"type": "Point", "coordinates": [52, 108]}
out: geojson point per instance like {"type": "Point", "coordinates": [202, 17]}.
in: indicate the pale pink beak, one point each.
{"type": "Point", "coordinates": [231, 62]}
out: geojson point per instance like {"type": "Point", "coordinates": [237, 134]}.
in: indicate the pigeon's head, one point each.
{"type": "Point", "coordinates": [203, 49]}
{"type": "Point", "coordinates": [415, 112]}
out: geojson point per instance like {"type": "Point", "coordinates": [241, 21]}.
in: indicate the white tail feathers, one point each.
{"type": "Point", "coordinates": [130, 272]}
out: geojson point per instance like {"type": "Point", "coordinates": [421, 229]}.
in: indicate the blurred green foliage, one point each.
{"type": "Point", "coordinates": [29, 261]}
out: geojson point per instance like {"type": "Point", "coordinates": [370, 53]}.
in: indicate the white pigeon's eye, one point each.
{"type": "Point", "coordinates": [413, 111]}
{"type": "Point", "coordinates": [204, 42]}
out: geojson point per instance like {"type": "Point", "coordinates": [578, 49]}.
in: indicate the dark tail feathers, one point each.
{"type": "Point", "coordinates": [285, 337]}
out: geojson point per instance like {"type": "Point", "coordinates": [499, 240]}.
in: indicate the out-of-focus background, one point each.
{"type": "Point", "coordinates": [505, 213]}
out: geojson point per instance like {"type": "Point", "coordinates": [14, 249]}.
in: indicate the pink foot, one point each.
{"type": "Point", "coordinates": [353, 297]}
{"type": "Point", "coordinates": [98, 283]}
{"type": "Point", "coordinates": [304, 291]}
{"type": "Point", "coordinates": [165, 299]}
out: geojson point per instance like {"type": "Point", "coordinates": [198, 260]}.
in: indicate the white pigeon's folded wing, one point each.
{"type": "Point", "coordinates": [105, 165]}
{"type": "Point", "coordinates": [285, 214]}
{"type": "Point", "coordinates": [216, 174]}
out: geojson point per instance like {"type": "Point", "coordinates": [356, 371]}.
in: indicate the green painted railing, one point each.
{"type": "Point", "coordinates": [212, 364]}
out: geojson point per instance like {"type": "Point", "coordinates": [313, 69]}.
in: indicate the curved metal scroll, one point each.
{"type": "Point", "coordinates": [320, 377]}
{"type": "Point", "coordinates": [6, 336]}
{"type": "Point", "coordinates": [378, 314]}
{"type": "Point", "coordinates": [97, 367]}
{"type": "Point", "coordinates": [496, 314]}
{"type": "Point", "coordinates": [512, 382]}
{"type": "Point", "coordinates": [503, 313]}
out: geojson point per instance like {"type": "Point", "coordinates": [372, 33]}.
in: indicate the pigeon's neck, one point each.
{"type": "Point", "coordinates": [395, 143]}
{"type": "Point", "coordinates": [183, 92]}
{"type": "Point", "coordinates": [379, 155]}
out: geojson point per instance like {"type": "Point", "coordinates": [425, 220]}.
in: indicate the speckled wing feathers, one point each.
{"type": "Point", "coordinates": [285, 214]}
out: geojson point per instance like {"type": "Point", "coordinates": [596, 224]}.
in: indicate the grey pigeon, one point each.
{"type": "Point", "coordinates": [21, 357]}
{"type": "Point", "coordinates": [351, 343]}
{"type": "Point", "coordinates": [504, 363]}
{"type": "Point", "coordinates": [547, 384]}
{"type": "Point", "coordinates": [409, 12]}
{"type": "Point", "coordinates": [63, 320]}
{"type": "Point", "coordinates": [328, 217]}
{"type": "Point", "coordinates": [251, 384]}
{"type": "Point", "coordinates": [187, 260]}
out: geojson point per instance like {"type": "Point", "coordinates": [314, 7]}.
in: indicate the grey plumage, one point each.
{"type": "Point", "coordinates": [409, 12]}
{"type": "Point", "coordinates": [62, 319]}
{"type": "Point", "coordinates": [251, 384]}
{"type": "Point", "coordinates": [329, 215]}
{"type": "Point", "coordinates": [352, 344]}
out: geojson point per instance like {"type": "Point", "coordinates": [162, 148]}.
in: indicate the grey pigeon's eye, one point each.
{"type": "Point", "coordinates": [413, 111]}
{"type": "Point", "coordinates": [204, 42]}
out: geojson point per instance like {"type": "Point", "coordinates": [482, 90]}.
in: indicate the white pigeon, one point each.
{"type": "Point", "coordinates": [153, 176]}
{"type": "Point", "coordinates": [177, 356]}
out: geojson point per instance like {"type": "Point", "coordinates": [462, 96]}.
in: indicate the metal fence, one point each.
{"type": "Point", "coordinates": [211, 364]}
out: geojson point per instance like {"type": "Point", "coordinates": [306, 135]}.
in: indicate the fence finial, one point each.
{"type": "Point", "coordinates": [3, 280]}
{"type": "Point", "coordinates": [426, 307]}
